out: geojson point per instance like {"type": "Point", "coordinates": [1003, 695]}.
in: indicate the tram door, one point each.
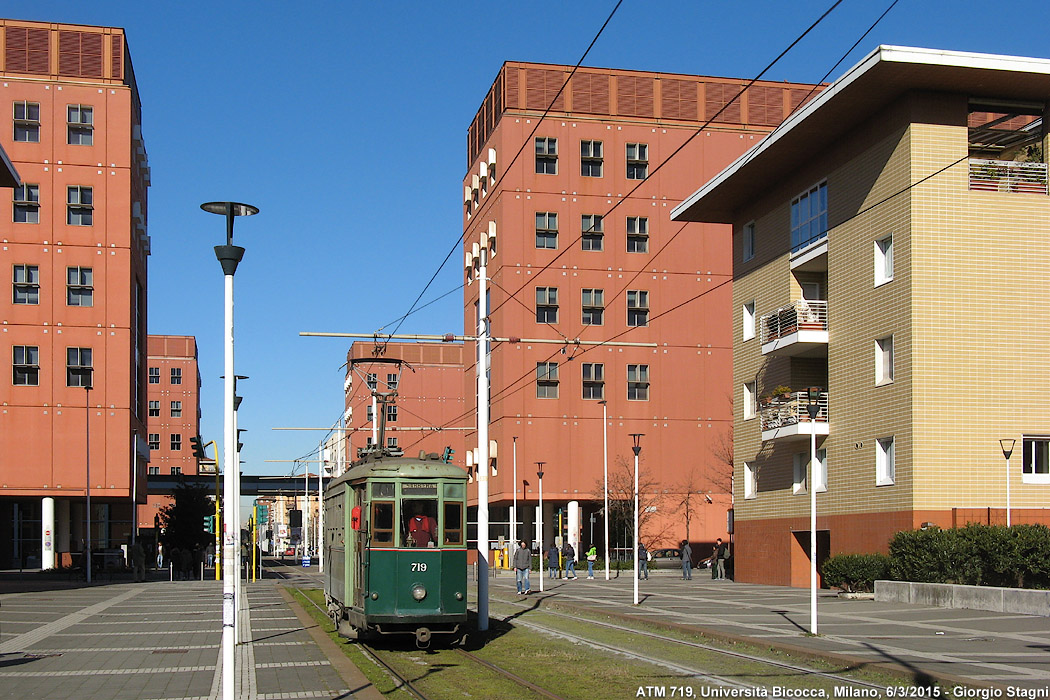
{"type": "Point", "coordinates": [357, 567]}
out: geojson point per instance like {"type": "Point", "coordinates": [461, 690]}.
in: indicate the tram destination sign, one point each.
{"type": "Point", "coordinates": [410, 489]}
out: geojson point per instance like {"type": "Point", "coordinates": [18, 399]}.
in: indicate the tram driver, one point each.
{"type": "Point", "coordinates": [422, 526]}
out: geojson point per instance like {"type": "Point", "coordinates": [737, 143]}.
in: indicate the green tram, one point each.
{"type": "Point", "coordinates": [395, 546]}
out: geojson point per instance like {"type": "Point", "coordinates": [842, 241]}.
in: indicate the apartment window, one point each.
{"type": "Point", "coordinates": [391, 382]}
{"type": "Point", "coordinates": [591, 160]}
{"type": "Point", "coordinates": [884, 360]}
{"type": "Point", "coordinates": [809, 217]}
{"type": "Point", "coordinates": [593, 380]}
{"type": "Point", "coordinates": [175, 471]}
{"type": "Point", "coordinates": [27, 122]}
{"type": "Point", "coordinates": [391, 413]}
{"type": "Point", "coordinates": [546, 304]}
{"type": "Point", "coordinates": [368, 441]}
{"type": "Point", "coordinates": [371, 380]}
{"type": "Point", "coordinates": [750, 482]}
{"type": "Point", "coordinates": [637, 308]}
{"type": "Point", "coordinates": [154, 375]}
{"type": "Point", "coordinates": [637, 161]}
{"type": "Point", "coordinates": [176, 442]}
{"type": "Point", "coordinates": [749, 400]}
{"type": "Point", "coordinates": [885, 464]}
{"type": "Point", "coordinates": [25, 364]}
{"type": "Point", "coordinates": [79, 207]}
{"type": "Point", "coordinates": [153, 409]}
{"type": "Point", "coordinates": [1035, 465]}
{"type": "Point", "coordinates": [26, 284]}
{"type": "Point", "coordinates": [638, 382]}
{"type": "Point", "coordinates": [546, 380]}
{"type": "Point", "coordinates": [80, 125]}
{"type": "Point", "coordinates": [592, 232]}
{"type": "Point", "coordinates": [176, 375]}
{"type": "Point", "coordinates": [593, 307]}
{"type": "Point", "coordinates": [176, 409]}
{"type": "Point", "coordinates": [748, 315]}
{"type": "Point", "coordinates": [748, 241]}
{"type": "Point", "coordinates": [546, 230]}
{"type": "Point", "coordinates": [546, 156]}
{"type": "Point", "coordinates": [883, 260]}
{"type": "Point", "coordinates": [154, 471]}
{"type": "Point", "coordinates": [27, 204]}
{"type": "Point", "coordinates": [369, 416]}
{"type": "Point", "coordinates": [154, 443]}
{"type": "Point", "coordinates": [637, 234]}
{"type": "Point", "coordinates": [391, 442]}
{"type": "Point", "coordinates": [79, 290]}
{"type": "Point", "coordinates": [801, 471]}
{"type": "Point", "coordinates": [78, 366]}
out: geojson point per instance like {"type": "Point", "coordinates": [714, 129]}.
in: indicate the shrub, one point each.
{"type": "Point", "coordinates": [931, 556]}
{"type": "Point", "coordinates": [855, 572]}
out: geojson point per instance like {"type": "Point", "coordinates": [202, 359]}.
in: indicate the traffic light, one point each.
{"type": "Point", "coordinates": [197, 447]}
{"type": "Point", "coordinates": [446, 456]}
{"type": "Point", "coordinates": [209, 524]}
{"type": "Point", "coordinates": [295, 518]}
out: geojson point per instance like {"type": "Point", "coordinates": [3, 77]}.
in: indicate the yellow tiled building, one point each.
{"type": "Point", "coordinates": [891, 257]}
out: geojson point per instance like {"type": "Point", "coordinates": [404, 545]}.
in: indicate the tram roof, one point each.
{"type": "Point", "coordinates": [408, 467]}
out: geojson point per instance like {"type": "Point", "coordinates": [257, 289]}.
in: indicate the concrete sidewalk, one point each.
{"type": "Point", "coordinates": [136, 641]}
{"type": "Point", "coordinates": [970, 646]}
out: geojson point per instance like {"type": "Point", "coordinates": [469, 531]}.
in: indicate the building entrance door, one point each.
{"type": "Point", "coordinates": [800, 556]}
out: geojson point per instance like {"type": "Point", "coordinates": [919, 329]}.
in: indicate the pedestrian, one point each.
{"type": "Point", "coordinates": [687, 561]}
{"type": "Point", "coordinates": [160, 556]}
{"type": "Point", "coordinates": [522, 561]}
{"type": "Point", "coordinates": [721, 555]}
{"type": "Point", "coordinates": [138, 562]}
{"type": "Point", "coordinates": [592, 556]}
{"type": "Point", "coordinates": [552, 561]}
{"type": "Point", "coordinates": [643, 561]}
{"type": "Point", "coordinates": [570, 560]}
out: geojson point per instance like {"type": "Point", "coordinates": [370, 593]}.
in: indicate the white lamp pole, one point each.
{"type": "Point", "coordinates": [1008, 448]}
{"type": "Point", "coordinates": [637, 447]}
{"type": "Point", "coordinates": [86, 376]}
{"type": "Point", "coordinates": [229, 256]}
{"type": "Point", "coordinates": [814, 409]}
{"type": "Point", "coordinates": [605, 464]}
{"type": "Point", "coordinates": [514, 492]}
{"type": "Point", "coordinates": [483, 438]}
{"type": "Point", "coordinates": [539, 475]}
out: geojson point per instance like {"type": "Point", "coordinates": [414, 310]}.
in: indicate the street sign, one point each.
{"type": "Point", "coordinates": [306, 562]}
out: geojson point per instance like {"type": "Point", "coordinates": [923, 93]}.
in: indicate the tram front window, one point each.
{"type": "Point", "coordinates": [453, 523]}
{"type": "Point", "coordinates": [420, 523]}
{"type": "Point", "coordinates": [383, 522]}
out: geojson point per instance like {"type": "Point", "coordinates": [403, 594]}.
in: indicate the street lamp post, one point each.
{"type": "Point", "coordinates": [85, 377]}
{"type": "Point", "coordinates": [605, 465]}
{"type": "Point", "coordinates": [637, 447]}
{"type": "Point", "coordinates": [813, 408]}
{"type": "Point", "coordinates": [539, 475]}
{"type": "Point", "coordinates": [229, 256]}
{"type": "Point", "coordinates": [1008, 449]}
{"type": "Point", "coordinates": [514, 492]}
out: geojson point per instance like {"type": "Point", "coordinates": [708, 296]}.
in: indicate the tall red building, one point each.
{"type": "Point", "coordinates": [74, 324]}
{"type": "Point", "coordinates": [173, 412]}
{"type": "Point", "coordinates": [578, 201]}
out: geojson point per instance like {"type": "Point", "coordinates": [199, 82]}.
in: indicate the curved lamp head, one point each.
{"type": "Point", "coordinates": [229, 210]}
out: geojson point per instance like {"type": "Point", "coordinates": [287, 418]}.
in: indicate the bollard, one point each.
{"type": "Point", "coordinates": [171, 572]}
{"type": "Point", "coordinates": [202, 571]}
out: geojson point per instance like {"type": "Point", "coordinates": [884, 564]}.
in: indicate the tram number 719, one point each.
{"type": "Point", "coordinates": [419, 566]}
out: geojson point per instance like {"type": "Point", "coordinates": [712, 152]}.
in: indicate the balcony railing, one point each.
{"type": "Point", "coordinates": [783, 412]}
{"type": "Point", "coordinates": [1008, 176]}
{"type": "Point", "coordinates": [802, 315]}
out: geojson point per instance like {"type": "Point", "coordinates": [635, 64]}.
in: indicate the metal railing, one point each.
{"type": "Point", "coordinates": [781, 412]}
{"type": "Point", "coordinates": [805, 314]}
{"type": "Point", "coordinates": [1008, 176]}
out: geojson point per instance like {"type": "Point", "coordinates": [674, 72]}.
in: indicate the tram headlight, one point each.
{"type": "Point", "coordinates": [375, 596]}
{"type": "Point", "coordinates": [419, 592]}
{"type": "Point", "coordinates": [459, 596]}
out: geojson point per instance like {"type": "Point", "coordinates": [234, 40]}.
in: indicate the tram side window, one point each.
{"type": "Point", "coordinates": [420, 522]}
{"type": "Point", "coordinates": [383, 522]}
{"type": "Point", "coordinates": [453, 523]}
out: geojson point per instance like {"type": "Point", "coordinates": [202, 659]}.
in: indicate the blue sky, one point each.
{"type": "Point", "coordinates": [345, 123]}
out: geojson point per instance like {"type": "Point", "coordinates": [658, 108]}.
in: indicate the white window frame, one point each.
{"type": "Point", "coordinates": [883, 249]}
{"type": "Point", "coordinates": [638, 382]}
{"type": "Point", "coordinates": [750, 400]}
{"type": "Point", "coordinates": [885, 461]}
{"type": "Point", "coordinates": [748, 315]}
{"type": "Point", "coordinates": [884, 360]}
{"type": "Point", "coordinates": [1029, 475]}
{"type": "Point", "coordinates": [750, 482]}
{"type": "Point", "coordinates": [801, 472]}
{"type": "Point", "coordinates": [748, 242]}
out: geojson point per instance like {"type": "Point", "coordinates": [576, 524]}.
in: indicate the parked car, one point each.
{"type": "Point", "coordinates": [667, 558]}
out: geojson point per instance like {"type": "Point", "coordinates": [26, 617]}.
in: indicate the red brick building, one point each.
{"type": "Point", "coordinates": [584, 249]}
{"type": "Point", "coordinates": [172, 412]}
{"type": "Point", "coordinates": [76, 248]}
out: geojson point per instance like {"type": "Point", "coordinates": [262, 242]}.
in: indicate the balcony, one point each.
{"type": "Point", "coordinates": [1008, 176]}
{"type": "Point", "coordinates": [788, 418]}
{"type": "Point", "coordinates": [799, 329]}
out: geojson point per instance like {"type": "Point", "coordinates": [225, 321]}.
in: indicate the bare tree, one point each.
{"type": "Point", "coordinates": [621, 499]}
{"type": "Point", "coordinates": [720, 475]}
{"type": "Point", "coordinates": [688, 497]}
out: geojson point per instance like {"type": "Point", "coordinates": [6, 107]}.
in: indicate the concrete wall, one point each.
{"type": "Point", "coordinates": [944, 595]}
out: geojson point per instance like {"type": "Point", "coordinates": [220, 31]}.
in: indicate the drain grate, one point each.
{"type": "Point", "coordinates": [169, 651]}
{"type": "Point", "coordinates": [41, 655]}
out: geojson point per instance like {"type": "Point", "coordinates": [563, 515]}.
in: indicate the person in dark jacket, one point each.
{"type": "Point", "coordinates": [569, 552]}
{"type": "Point", "coordinates": [552, 561]}
{"type": "Point", "coordinates": [522, 561]}
{"type": "Point", "coordinates": [687, 561]}
{"type": "Point", "coordinates": [643, 561]}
